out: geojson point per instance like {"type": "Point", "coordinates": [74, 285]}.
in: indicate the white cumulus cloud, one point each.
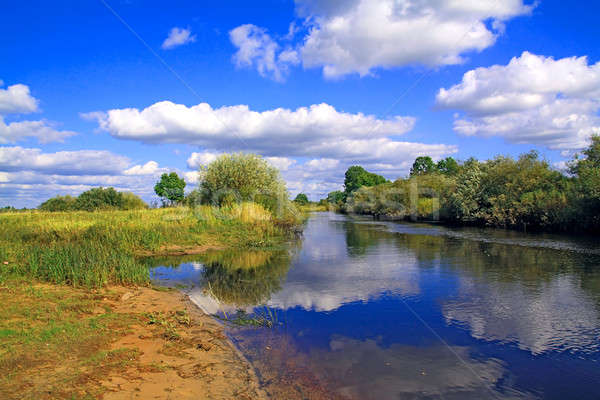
{"type": "Point", "coordinates": [278, 132]}
{"type": "Point", "coordinates": [281, 163]}
{"type": "Point", "coordinates": [150, 168]}
{"type": "Point", "coordinates": [196, 160]}
{"type": "Point", "coordinates": [43, 131]}
{"type": "Point", "coordinates": [257, 49]}
{"type": "Point", "coordinates": [178, 37]}
{"type": "Point", "coordinates": [17, 99]}
{"type": "Point", "coordinates": [533, 99]}
{"type": "Point", "coordinates": [80, 162]}
{"type": "Point", "coordinates": [357, 36]}
{"type": "Point", "coordinates": [322, 164]}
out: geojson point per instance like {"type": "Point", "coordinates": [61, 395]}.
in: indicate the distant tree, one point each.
{"type": "Point", "coordinates": [301, 198]}
{"type": "Point", "coordinates": [336, 197]}
{"type": "Point", "coordinates": [447, 166]}
{"type": "Point", "coordinates": [356, 177]}
{"type": "Point", "coordinates": [423, 165]}
{"type": "Point", "coordinates": [99, 199]}
{"type": "Point", "coordinates": [58, 203]}
{"type": "Point", "coordinates": [170, 187]}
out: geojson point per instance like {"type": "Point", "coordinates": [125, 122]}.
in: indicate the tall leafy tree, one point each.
{"type": "Point", "coordinates": [423, 165]}
{"type": "Point", "coordinates": [587, 172]}
{"type": "Point", "coordinates": [170, 187]}
{"type": "Point", "coordinates": [447, 166]}
{"type": "Point", "coordinates": [335, 197]}
{"type": "Point", "coordinates": [301, 198]}
{"type": "Point", "coordinates": [356, 177]}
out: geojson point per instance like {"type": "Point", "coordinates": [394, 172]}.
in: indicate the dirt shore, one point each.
{"type": "Point", "coordinates": [184, 353]}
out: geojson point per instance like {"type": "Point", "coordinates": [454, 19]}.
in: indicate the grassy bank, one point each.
{"type": "Point", "coordinates": [97, 248]}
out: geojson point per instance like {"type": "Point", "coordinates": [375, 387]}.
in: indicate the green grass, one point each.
{"type": "Point", "coordinates": [93, 249]}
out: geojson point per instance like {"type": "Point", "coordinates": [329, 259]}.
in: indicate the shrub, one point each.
{"type": "Point", "coordinates": [132, 202]}
{"type": "Point", "coordinates": [95, 199]}
{"type": "Point", "coordinates": [241, 177]}
{"type": "Point", "coordinates": [99, 199]}
{"type": "Point", "coordinates": [59, 203]}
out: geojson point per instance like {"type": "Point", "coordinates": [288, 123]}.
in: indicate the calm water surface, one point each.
{"type": "Point", "coordinates": [382, 310]}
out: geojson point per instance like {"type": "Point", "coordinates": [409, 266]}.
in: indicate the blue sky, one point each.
{"type": "Point", "coordinates": [94, 97]}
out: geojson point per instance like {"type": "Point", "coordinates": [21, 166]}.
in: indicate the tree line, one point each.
{"type": "Point", "coordinates": [524, 193]}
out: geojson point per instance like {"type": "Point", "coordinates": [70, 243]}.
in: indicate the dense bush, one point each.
{"type": "Point", "coordinates": [98, 199]}
{"type": "Point", "coordinates": [95, 199]}
{"type": "Point", "coordinates": [132, 202]}
{"type": "Point", "coordinates": [58, 203]}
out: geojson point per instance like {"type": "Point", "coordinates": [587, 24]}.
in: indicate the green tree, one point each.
{"type": "Point", "coordinates": [336, 197]}
{"type": "Point", "coordinates": [242, 177]}
{"type": "Point", "coordinates": [587, 169]}
{"type": "Point", "coordinates": [301, 198]}
{"type": "Point", "coordinates": [448, 166]}
{"type": "Point", "coordinates": [587, 173]}
{"type": "Point", "coordinates": [423, 165]}
{"type": "Point", "coordinates": [170, 187]}
{"type": "Point", "coordinates": [99, 199]}
{"type": "Point", "coordinates": [356, 177]}
{"type": "Point", "coordinates": [58, 203]}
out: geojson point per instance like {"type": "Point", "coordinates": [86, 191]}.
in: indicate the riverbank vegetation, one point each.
{"type": "Point", "coordinates": [524, 193]}
{"type": "Point", "coordinates": [94, 249]}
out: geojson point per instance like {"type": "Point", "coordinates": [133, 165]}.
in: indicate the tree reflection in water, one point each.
{"type": "Point", "coordinates": [244, 278]}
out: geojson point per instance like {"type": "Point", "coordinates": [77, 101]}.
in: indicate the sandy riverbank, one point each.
{"type": "Point", "coordinates": [201, 363]}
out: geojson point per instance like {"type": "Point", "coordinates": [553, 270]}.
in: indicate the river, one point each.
{"type": "Point", "coordinates": [364, 309]}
